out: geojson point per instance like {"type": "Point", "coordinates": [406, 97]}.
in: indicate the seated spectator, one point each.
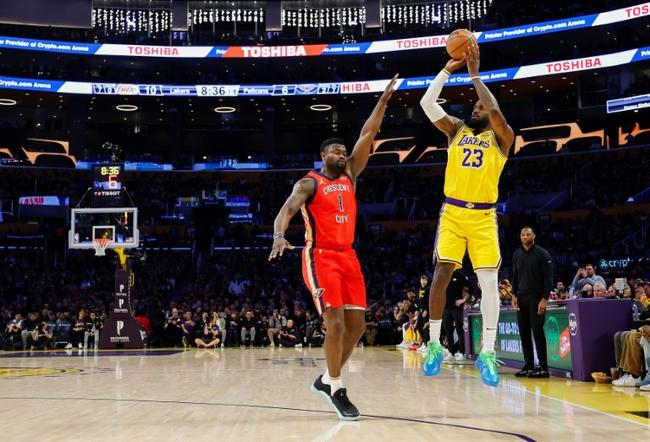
{"type": "Point", "coordinates": [187, 327]}
{"type": "Point", "coordinates": [12, 337]}
{"type": "Point", "coordinates": [41, 337]}
{"type": "Point", "coordinates": [210, 334]}
{"type": "Point", "coordinates": [173, 333]}
{"type": "Point", "coordinates": [505, 292]}
{"type": "Point", "coordinates": [29, 325]}
{"type": "Point", "coordinates": [641, 295]}
{"type": "Point", "coordinates": [311, 324]}
{"type": "Point", "coordinates": [63, 327]}
{"type": "Point", "coordinates": [611, 292]}
{"type": "Point", "coordinates": [290, 335]}
{"type": "Point", "coordinates": [262, 328]}
{"type": "Point", "coordinates": [318, 336]}
{"type": "Point", "coordinates": [232, 330]}
{"type": "Point", "coordinates": [630, 348]}
{"type": "Point", "coordinates": [600, 290]}
{"type": "Point", "coordinates": [78, 331]}
{"type": "Point", "coordinates": [247, 325]}
{"type": "Point", "coordinates": [586, 275]}
{"type": "Point", "coordinates": [276, 322]}
{"type": "Point", "coordinates": [560, 293]}
{"type": "Point", "coordinates": [587, 291]}
{"type": "Point", "coordinates": [221, 326]}
{"type": "Point", "coordinates": [403, 317]}
{"type": "Point", "coordinates": [371, 328]}
{"type": "Point", "coordinates": [93, 327]}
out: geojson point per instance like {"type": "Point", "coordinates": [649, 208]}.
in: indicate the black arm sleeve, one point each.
{"type": "Point", "coordinates": [547, 272]}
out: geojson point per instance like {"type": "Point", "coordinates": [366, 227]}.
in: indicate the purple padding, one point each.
{"type": "Point", "coordinates": [592, 325]}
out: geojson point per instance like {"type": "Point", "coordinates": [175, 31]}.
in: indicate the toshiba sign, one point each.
{"type": "Point", "coordinates": [154, 51]}
{"type": "Point", "coordinates": [573, 65]}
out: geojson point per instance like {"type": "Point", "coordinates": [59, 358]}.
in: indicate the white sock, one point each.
{"type": "Point", "coordinates": [326, 377]}
{"type": "Point", "coordinates": [336, 384]}
{"type": "Point", "coordinates": [434, 330]}
{"type": "Point", "coordinates": [489, 280]}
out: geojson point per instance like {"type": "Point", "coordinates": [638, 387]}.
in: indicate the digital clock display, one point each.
{"type": "Point", "coordinates": [107, 185]}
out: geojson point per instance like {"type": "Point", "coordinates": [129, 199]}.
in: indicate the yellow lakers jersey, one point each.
{"type": "Point", "coordinates": [474, 165]}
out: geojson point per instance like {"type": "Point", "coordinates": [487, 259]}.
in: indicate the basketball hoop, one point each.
{"type": "Point", "coordinates": [100, 244]}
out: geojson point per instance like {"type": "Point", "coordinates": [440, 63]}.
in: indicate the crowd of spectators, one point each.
{"type": "Point", "coordinates": [236, 297]}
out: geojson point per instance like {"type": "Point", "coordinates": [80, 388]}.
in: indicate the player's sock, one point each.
{"type": "Point", "coordinates": [336, 384]}
{"type": "Point", "coordinates": [326, 377]}
{"type": "Point", "coordinates": [434, 330]}
{"type": "Point", "coordinates": [489, 280]}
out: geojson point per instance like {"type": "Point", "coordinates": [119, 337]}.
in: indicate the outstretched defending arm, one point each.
{"type": "Point", "coordinates": [302, 191]}
{"type": "Point", "coordinates": [445, 123]}
{"type": "Point", "coordinates": [361, 152]}
{"type": "Point", "coordinates": [504, 133]}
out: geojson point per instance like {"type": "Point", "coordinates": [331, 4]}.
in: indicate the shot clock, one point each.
{"type": "Point", "coordinates": [107, 185]}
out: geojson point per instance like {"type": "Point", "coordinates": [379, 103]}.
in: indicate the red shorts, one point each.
{"type": "Point", "coordinates": [334, 278]}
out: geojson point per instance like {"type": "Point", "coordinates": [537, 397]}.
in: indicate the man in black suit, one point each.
{"type": "Point", "coordinates": [532, 282]}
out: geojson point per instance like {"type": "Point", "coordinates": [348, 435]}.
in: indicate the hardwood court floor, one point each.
{"type": "Point", "coordinates": [263, 394]}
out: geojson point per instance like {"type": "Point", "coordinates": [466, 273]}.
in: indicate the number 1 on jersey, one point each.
{"type": "Point", "coordinates": [341, 208]}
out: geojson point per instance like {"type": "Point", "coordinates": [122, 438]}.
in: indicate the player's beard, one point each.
{"type": "Point", "coordinates": [478, 123]}
{"type": "Point", "coordinates": [339, 166]}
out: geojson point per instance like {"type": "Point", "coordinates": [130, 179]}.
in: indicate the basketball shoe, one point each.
{"type": "Point", "coordinates": [433, 359]}
{"type": "Point", "coordinates": [339, 400]}
{"type": "Point", "coordinates": [487, 364]}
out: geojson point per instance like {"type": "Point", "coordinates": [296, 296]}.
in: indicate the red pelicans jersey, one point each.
{"type": "Point", "coordinates": [331, 213]}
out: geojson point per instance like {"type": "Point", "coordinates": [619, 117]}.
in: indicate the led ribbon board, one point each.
{"type": "Point", "coordinates": [344, 88]}
{"type": "Point", "coordinates": [375, 47]}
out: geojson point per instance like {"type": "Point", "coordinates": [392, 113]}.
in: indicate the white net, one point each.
{"type": "Point", "coordinates": [100, 244]}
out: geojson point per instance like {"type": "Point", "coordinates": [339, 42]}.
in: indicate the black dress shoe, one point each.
{"type": "Point", "coordinates": [538, 373]}
{"type": "Point", "coordinates": [522, 373]}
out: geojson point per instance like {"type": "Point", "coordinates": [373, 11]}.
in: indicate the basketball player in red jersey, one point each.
{"type": "Point", "coordinates": [330, 266]}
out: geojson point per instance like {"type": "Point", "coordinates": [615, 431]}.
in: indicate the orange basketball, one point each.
{"type": "Point", "coordinates": [458, 42]}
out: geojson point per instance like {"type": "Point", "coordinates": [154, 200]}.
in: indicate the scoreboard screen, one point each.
{"type": "Point", "coordinates": [107, 185]}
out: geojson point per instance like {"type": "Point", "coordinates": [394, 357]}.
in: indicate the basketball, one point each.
{"type": "Point", "coordinates": [458, 42]}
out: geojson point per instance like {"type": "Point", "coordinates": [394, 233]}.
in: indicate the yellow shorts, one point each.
{"type": "Point", "coordinates": [475, 231]}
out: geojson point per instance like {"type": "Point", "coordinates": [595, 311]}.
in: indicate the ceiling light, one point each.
{"type": "Point", "coordinates": [224, 109]}
{"type": "Point", "coordinates": [126, 107]}
{"type": "Point", "coordinates": [7, 102]}
{"type": "Point", "coordinates": [320, 107]}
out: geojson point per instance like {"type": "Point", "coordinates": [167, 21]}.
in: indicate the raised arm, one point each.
{"type": "Point", "coordinates": [504, 133]}
{"type": "Point", "coordinates": [445, 123]}
{"type": "Point", "coordinates": [361, 152]}
{"type": "Point", "coordinates": [302, 191]}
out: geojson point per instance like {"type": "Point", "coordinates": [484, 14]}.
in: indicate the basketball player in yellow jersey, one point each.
{"type": "Point", "coordinates": [478, 150]}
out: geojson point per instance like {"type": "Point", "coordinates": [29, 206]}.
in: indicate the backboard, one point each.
{"type": "Point", "coordinates": [119, 224]}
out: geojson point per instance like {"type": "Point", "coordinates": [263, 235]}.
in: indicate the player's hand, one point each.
{"type": "Point", "coordinates": [514, 302]}
{"type": "Point", "coordinates": [472, 57]}
{"type": "Point", "coordinates": [459, 302]}
{"type": "Point", "coordinates": [541, 307]}
{"type": "Point", "coordinates": [388, 92]}
{"type": "Point", "coordinates": [453, 65]}
{"type": "Point", "coordinates": [279, 246]}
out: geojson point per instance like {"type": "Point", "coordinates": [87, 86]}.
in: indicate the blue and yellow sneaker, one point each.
{"type": "Point", "coordinates": [487, 364]}
{"type": "Point", "coordinates": [433, 359]}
